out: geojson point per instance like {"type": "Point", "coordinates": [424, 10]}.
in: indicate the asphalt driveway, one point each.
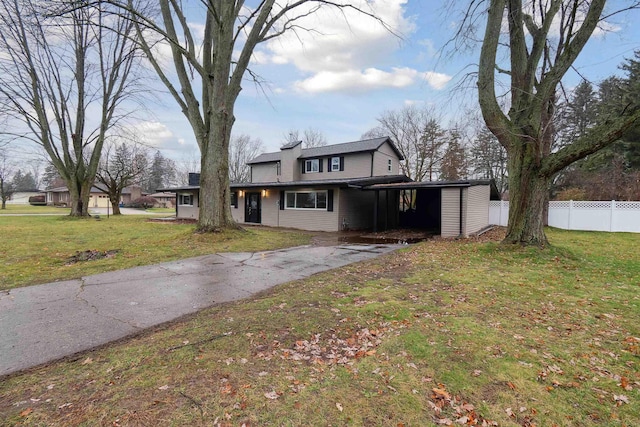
{"type": "Point", "coordinates": [50, 321]}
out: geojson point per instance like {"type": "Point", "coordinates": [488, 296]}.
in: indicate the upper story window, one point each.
{"type": "Point", "coordinates": [389, 165]}
{"type": "Point", "coordinates": [312, 165]}
{"type": "Point", "coordinates": [185, 199]}
{"type": "Point", "coordinates": [278, 169]}
{"type": "Point", "coordinates": [335, 164]}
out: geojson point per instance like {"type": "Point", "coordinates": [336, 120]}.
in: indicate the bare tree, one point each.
{"type": "Point", "coordinates": [121, 166]}
{"type": "Point", "coordinates": [187, 164]}
{"type": "Point", "coordinates": [489, 159]}
{"type": "Point", "coordinates": [544, 39]}
{"type": "Point", "coordinates": [241, 150]}
{"type": "Point", "coordinates": [419, 137]}
{"type": "Point", "coordinates": [209, 67]}
{"type": "Point", "coordinates": [311, 137]}
{"type": "Point", "coordinates": [6, 184]}
{"type": "Point", "coordinates": [65, 76]}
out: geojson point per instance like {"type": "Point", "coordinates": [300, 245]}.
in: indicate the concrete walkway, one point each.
{"type": "Point", "coordinates": [46, 322]}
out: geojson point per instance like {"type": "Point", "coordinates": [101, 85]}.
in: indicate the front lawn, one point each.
{"type": "Point", "coordinates": [30, 210]}
{"type": "Point", "coordinates": [441, 333]}
{"type": "Point", "coordinates": [40, 249]}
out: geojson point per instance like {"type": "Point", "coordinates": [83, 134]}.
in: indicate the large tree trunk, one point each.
{"type": "Point", "coordinates": [215, 201]}
{"type": "Point", "coordinates": [528, 194]}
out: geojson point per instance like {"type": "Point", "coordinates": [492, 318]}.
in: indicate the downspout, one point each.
{"type": "Point", "coordinates": [460, 235]}
{"type": "Point", "coordinates": [372, 153]}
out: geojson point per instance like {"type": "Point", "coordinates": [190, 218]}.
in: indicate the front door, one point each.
{"type": "Point", "coordinates": [252, 208]}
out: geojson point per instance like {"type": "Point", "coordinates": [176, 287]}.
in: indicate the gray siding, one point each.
{"type": "Point", "coordinates": [238, 213]}
{"type": "Point", "coordinates": [264, 172]}
{"type": "Point", "coordinates": [451, 212]}
{"type": "Point", "coordinates": [356, 165]}
{"type": "Point", "coordinates": [189, 212]}
{"type": "Point", "coordinates": [477, 208]}
{"type": "Point", "coordinates": [381, 158]}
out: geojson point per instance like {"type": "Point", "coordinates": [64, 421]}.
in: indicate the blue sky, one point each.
{"type": "Point", "coordinates": [341, 80]}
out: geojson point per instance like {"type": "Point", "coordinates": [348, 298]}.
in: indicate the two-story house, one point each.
{"type": "Point", "coordinates": [351, 186]}
{"type": "Point", "coordinates": [314, 188]}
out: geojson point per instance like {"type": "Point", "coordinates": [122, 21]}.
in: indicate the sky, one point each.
{"type": "Point", "coordinates": [341, 77]}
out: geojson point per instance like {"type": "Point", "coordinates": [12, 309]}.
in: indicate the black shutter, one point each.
{"type": "Point", "coordinates": [304, 164]}
{"type": "Point", "coordinates": [330, 200]}
{"type": "Point", "coordinates": [329, 164]}
{"type": "Point", "coordinates": [281, 200]}
{"type": "Point", "coordinates": [341, 163]}
{"type": "Point", "coordinates": [320, 162]}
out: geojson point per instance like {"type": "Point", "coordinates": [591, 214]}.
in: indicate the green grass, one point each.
{"type": "Point", "coordinates": [162, 210]}
{"type": "Point", "coordinates": [37, 249]}
{"type": "Point", "coordinates": [28, 209]}
{"type": "Point", "coordinates": [441, 330]}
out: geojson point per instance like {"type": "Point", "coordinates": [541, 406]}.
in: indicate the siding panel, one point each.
{"type": "Point", "coordinates": [264, 172]}
{"type": "Point", "coordinates": [450, 212]}
{"type": "Point", "coordinates": [477, 212]}
{"type": "Point", "coordinates": [356, 165]}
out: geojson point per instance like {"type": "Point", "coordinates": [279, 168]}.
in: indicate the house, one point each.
{"type": "Point", "coordinates": [314, 188]}
{"type": "Point", "coordinates": [165, 199]}
{"type": "Point", "coordinates": [22, 197]}
{"type": "Point", "coordinates": [60, 196]}
{"type": "Point", "coordinates": [349, 186]}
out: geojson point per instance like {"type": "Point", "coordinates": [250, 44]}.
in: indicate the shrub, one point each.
{"type": "Point", "coordinates": [144, 202]}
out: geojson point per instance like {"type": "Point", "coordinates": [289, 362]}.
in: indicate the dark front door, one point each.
{"type": "Point", "coordinates": [252, 208]}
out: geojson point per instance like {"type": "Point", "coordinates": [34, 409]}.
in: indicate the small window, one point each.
{"type": "Point", "coordinates": [185, 199]}
{"type": "Point", "coordinates": [234, 199]}
{"type": "Point", "coordinates": [335, 164]}
{"type": "Point", "coordinates": [278, 169]}
{"type": "Point", "coordinates": [306, 200]}
{"type": "Point", "coordinates": [312, 165]}
{"type": "Point", "coordinates": [389, 165]}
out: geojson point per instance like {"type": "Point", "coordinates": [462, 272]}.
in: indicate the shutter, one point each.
{"type": "Point", "coordinates": [320, 162]}
{"type": "Point", "coordinates": [304, 164]}
{"type": "Point", "coordinates": [341, 163]}
{"type": "Point", "coordinates": [329, 200]}
{"type": "Point", "coordinates": [329, 163]}
{"type": "Point", "coordinates": [281, 200]}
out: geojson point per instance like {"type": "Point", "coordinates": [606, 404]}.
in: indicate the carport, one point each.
{"type": "Point", "coordinates": [448, 208]}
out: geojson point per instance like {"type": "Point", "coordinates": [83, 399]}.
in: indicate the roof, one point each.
{"type": "Point", "coordinates": [344, 182]}
{"type": "Point", "coordinates": [495, 195]}
{"type": "Point", "coordinates": [94, 189]}
{"type": "Point", "coordinates": [332, 150]}
{"type": "Point", "coordinates": [163, 194]}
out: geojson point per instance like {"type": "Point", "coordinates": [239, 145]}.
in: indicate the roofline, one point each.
{"type": "Point", "coordinates": [305, 156]}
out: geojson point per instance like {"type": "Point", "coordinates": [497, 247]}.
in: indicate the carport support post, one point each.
{"type": "Point", "coordinates": [375, 211]}
{"type": "Point", "coordinates": [386, 209]}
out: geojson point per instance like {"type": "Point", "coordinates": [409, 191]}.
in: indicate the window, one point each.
{"type": "Point", "coordinates": [278, 169]}
{"type": "Point", "coordinates": [185, 199]}
{"type": "Point", "coordinates": [335, 164]}
{"type": "Point", "coordinates": [234, 199]}
{"type": "Point", "coordinates": [389, 165]}
{"type": "Point", "coordinates": [306, 200]}
{"type": "Point", "coordinates": [312, 165]}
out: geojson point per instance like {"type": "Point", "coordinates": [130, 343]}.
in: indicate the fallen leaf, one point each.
{"type": "Point", "coordinates": [87, 361]}
{"type": "Point", "coordinates": [26, 412]}
{"type": "Point", "coordinates": [510, 412]}
{"type": "Point", "coordinates": [339, 406]}
{"type": "Point", "coordinates": [620, 399]}
{"type": "Point", "coordinates": [164, 387]}
{"type": "Point", "coordinates": [271, 395]}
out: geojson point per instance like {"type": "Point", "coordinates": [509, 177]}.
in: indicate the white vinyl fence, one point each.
{"type": "Point", "coordinates": [592, 216]}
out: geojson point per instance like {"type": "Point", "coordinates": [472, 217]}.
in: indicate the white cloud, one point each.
{"type": "Point", "coordinates": [370, 79]}
{"type": "Point", "coordinates": [153, 134]}
{"type": "Point", "coordinates": [342, 39]}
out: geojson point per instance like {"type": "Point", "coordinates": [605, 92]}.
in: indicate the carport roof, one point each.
{"type": "Point", "coordinates": [344, 182]}
{"type": "Point", "coordinates": [495, 195]}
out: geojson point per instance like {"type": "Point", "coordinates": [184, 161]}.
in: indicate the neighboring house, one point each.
{"type": "Point", "coordinates": [350, 186]}
{"type": "Point", "coordinates": [165, 199]}
{"type": "Point", "coordinates": [22, 197]}
{"type": "Point", "coordinates": [98, 199]}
